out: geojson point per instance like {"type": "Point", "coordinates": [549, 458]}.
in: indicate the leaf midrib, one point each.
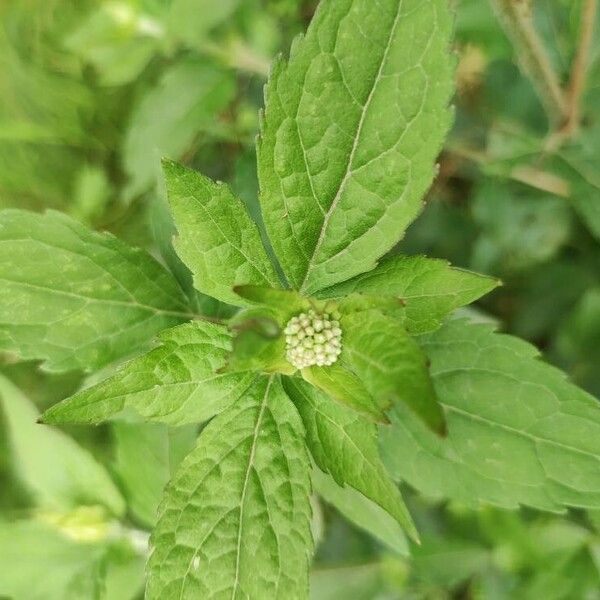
{"type": "Point", "coordinates": [357, 137]}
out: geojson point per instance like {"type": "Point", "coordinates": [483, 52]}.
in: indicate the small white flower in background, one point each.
{"type": "Point", "coordinates": [313, 339]}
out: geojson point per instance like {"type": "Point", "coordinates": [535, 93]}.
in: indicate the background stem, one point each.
{"type": "Point", "coordinates": [516, 18]}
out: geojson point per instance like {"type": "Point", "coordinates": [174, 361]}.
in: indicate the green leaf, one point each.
{"type": "Point", "coordinates": [217, 239]}
{"type": "Point", "coordinates": [345, 445]}
{"type": "Point", "coordinates": [235, 521]}
{"type": "Point", "coordinates": [28, 547]}
{"type": "Point", "coordinates": [184, 103]}
{"type": "Point", "coordinates": [176, 383]}
{"type": "Point", "coordinates": [520, 228]}
{"type": "Point", "coordinates": [191, 21]}
{"type": "Point", "coordinates": [75, 298]}
{"type": "Point", "coordinates": [143, 481]}
{"type": "Point", "coordinates": [361, 511]}
{"type": "Point", "coordinates": [286, 303]}
{"type": "Point", "coordinates": [352, 127]}
{"type": "Point", "coordinates": [258, 344]}
{"type": "Point", "coordinates": [447, 562]}
{"type": "Point", "coordinates": [60, 474]}
{"type": "Point", "coordinates": [578, 164]}
{"type": "Point", "coordinates": [430, 288]}
{"type": "Point", "coordinates": [344, 387]}
{"type": "Point", "coordinates": [518, 431]}
{"type": "Point", "coordinates": [391, 365]}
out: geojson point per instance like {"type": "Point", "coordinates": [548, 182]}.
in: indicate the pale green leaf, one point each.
{"type": "Point", "coordinates": [76, 298]}
{"type": "Point", "coordinates": [344, 445]}
{"type": "Point", "coordinates": [430, 288]}
{"type": "Point", "coordinates": [217, 239]}
{"type": "Point", "coordinates": [176, 383]}
{"type": "Point", "coordinates": [391, 365]}
{"type": "Point", "coordinates": [361, 511]}
{"type": "Point", "coordinates": [358, 582]}
{"type": "Point", "coordinates": [169, 118]}
{"type": "Point", "coordinates": [190, 20]}
{"type": "Point", "coordinates": [518, 431]}
{"type": "Point", "coordinates": [40, 563]}
{"type": "Point", "coordinates": [60, 474]}
{"type": "Point", "coordinates": [143, 481]}
{"type": "Point", "coordinates": [352, 127]}
{"type": "Point", "coordinates": [235, 521]}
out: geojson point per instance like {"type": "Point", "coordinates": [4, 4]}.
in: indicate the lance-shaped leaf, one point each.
{"type": "Point", "coordinates": [352, 127]}
{"type": "Point", "coordinates": [176, 383]}
{"type": "Point", "coordinates": [391, 365]}
{"type": "Point", "coordinates": [430, 288]}
{"type": "Point", "coordinates": [217, 239]}
{"type": "Point", "coordinates": [518, 431]}
{"type": "Point", "coordinates": [235, 520]}
{"type": "Point", "coordinates": [344, 445]}
{"type": "Point", "coordinates": [60, 475]}
{"type": "Point", "coordinates": [76, 298]}
{"type": "Point", "coordinates": [345, 387]}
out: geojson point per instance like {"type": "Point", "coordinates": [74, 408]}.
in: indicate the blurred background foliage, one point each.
{"type": "Point", "coordinates": [93, 93]}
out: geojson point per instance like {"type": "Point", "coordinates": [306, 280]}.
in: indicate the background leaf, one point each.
{"type": "Point", "coordinates": [162, 449]}
{"type": "Point", "coordinates": [60, 474]}
{"type": "Point", "coordinates": [518, 431]}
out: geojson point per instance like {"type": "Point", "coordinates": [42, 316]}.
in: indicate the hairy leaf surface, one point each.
{"type": "Point", "coordinates": [352, 127]}
{"type": "Point", "coordinates": [344, 445]}
{"type": "Point", "coordinates": [430, 288]}
{"type": "Point", "coordinates": [519, 431]}
{"type": "Point", "coordinates": [176, 383]}
{"type": "Point", "coordinates": [217, 239]}
{"type": "Point", "coordinates": [76, 298]}
{"type": "Point", "coordinates": [235, 521]}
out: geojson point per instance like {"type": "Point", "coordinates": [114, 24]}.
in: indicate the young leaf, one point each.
{"type": "Point", "coordinates": [361, 511]}
{"type": "Point", "coordinates": [143, 481]}
{"type": "Point", "coordinates": [344, 387]}
{"type": "Point", "coordinates": [352, 127]}
{"type": "Point", "coordinates": [176, 383]}
{"type": "Point", "coordinates": [59, 473]}
{"type": "Point", "coordinates": [391, 365]}
{"type": "Point", "coordinates": [284, 302]}
{"type": "Point", "coordinates": [430, 288]}
{"type": "Point", "coordinates": [344, 445]}
{"type": "Point", "coordinates": [76, 298]}
{"type": "Point", "coordinates": [235, 521]}
{"type": "Point", "coordinates": [518, 431]}
{"type": "Point", "coordinates": [217, 239]}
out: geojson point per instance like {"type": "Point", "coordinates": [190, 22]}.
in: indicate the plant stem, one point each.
{"type": "Point", "coordinates": [516, 17]}
{"type": "Point", "coordinates": [528, 175]}
{"type": "Point", "coordinates": [580, 67]}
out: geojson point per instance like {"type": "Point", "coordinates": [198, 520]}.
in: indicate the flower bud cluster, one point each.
{"type": "Point", "coordinates": [313, 339]}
